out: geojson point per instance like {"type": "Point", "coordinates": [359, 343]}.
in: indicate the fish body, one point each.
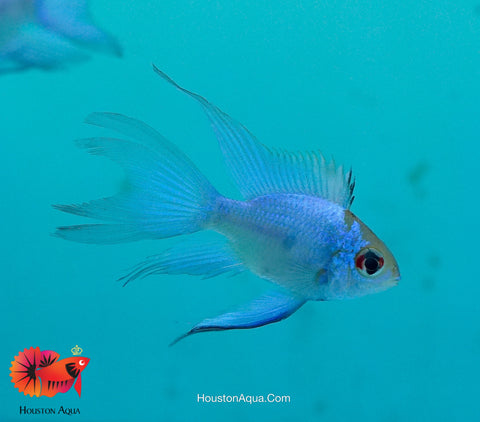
{"type": "Point", "coordinates": [297, 241]}
{"type": "Point", "coordinates": [60, 376]}
{"type": "Point", "coordinates": [48, 34]}
{"type": "Point", "coordinates": [38, 373]}
{"type": "Point", "coordinates": [294, 227]}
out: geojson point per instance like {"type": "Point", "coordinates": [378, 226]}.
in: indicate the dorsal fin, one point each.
{"type": "Point", "coordinates": [258, 170]}
{"type": "Point", "coordinates": [48, 357]}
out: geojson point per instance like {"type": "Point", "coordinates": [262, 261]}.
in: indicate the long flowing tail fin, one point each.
{"type": "Point", "coordinates": [167, 195]}
{"type": "Point", "coordinates": [23, 370]}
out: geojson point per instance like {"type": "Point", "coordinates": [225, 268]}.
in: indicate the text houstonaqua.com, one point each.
{"type": "Point", "coordinates": [242, 398]}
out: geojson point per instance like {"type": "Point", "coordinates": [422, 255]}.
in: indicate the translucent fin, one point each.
{"type": "Point", "coordinates": [167, 195]}
{"type": "Point", "coordinates": [34, 46]}
{"type": "Point", "coordinates": [100, 234]}
{"type": "Point", "coordinates": [190, 257]}
{"type": "Point", "coordinates": [269, 308]}
{"type": "Point", "coordinates": [258, 170]}
{"type": "Point", "coordinates": [72, 19]}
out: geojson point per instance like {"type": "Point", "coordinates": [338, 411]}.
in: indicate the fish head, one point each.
{"type": "Point", "coordinates": [362, 265]}
{"type": "Point", "coordinates": [82, 363]}
{"type": "Point", "coordinates": [75, 365]}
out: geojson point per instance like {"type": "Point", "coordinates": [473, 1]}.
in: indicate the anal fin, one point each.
{"type": "Point", "coordinates": [207, 259]}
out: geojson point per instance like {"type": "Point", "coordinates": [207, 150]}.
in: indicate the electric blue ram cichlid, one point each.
{"type": "Point", "coordinates": [294, 228]}
{"type": "Point", "coordinates": [48, 33]}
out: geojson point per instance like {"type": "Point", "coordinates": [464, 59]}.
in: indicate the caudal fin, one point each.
{"type": "Point", "coordinates": [23, 370]}
{"type": "Point", "coordinates": [167, 195]}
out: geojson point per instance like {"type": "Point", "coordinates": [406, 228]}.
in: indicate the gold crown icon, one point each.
{"type": "Point", "coordinates": [76, 350]}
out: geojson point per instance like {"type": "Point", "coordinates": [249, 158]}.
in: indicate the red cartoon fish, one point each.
{"type": "Point", "coordinates": [41, 373]}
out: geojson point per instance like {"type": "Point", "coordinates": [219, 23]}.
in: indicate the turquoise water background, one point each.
{"type": "Point", "coordinates": [390, 88]}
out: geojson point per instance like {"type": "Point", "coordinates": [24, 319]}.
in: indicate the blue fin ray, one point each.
{"type": "Point", "coordinates": [258, 170]}
{"type": "Point", "coordinates": [166, 195]}
{"type": "Point", "coordinates": [207, 259]}
{"type": "Point", "coordinates": [101, 234]}
{"type": "Point", "coordinates": [267, 309]}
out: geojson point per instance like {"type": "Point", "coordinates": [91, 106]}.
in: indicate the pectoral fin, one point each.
{"type": "Point", "coordinates": [271, 307]}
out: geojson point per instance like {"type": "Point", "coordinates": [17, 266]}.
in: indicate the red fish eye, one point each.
{"type": "Point", "coordinates": [369, 261]}
{"type": "Point", "coordinates": [359, 262]}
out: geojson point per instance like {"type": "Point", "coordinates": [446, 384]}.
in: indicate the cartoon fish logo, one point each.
{"type": "Point", "coordinates": [40, 373]}
{"type": "Point", "coordinates": [294, 228]}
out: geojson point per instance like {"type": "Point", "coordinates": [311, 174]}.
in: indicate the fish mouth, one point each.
{"type": "Point", "coordinates": [394, 281]}
{"type": "Point", "coordinates": [396, 275]}
{"type": "Point", "coordinates": [391, 282]}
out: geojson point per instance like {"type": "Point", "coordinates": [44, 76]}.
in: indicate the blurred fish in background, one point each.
{"type": "Point", "coordinates": [47, 34]}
